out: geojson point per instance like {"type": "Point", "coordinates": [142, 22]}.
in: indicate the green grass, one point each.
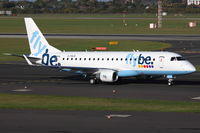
{"type": "Point", "coordinates": [19, 101]}
{"type": "Point", "coordinates": [198, 68]}
{"type": "Point", "coordinates": [20, 45]}
{"type": "Point", "coordinates": [56, 24]}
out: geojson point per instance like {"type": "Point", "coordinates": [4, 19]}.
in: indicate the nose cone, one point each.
{"type": "Point", "coordinates": [190, 68]}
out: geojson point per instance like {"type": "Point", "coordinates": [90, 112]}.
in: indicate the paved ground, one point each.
{"type": "Point", "coordinates": [45, 81]}
{"type": "Point", "coordinates": [32, 121]}
{"type": "Point", "coordinates": [113, 36]}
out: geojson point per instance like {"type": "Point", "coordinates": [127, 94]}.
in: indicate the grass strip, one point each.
{"type": "Point", "coordinates": [56, 24]}
{"type": "Point", "coordinates": [22, 101]}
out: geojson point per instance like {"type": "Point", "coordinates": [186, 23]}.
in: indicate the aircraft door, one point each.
{"type": "Point", "coordinates": [161, 61]}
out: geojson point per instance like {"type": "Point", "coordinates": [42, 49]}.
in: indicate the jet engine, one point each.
{"type": "Point", "coordinates": [108, 76]}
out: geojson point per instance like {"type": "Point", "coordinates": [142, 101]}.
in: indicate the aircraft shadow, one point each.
{"type": "Point", "coordinates": [123, 81]}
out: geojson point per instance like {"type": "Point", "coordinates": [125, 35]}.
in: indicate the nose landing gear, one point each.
{"type": "Point", "coordinates": [170, 80]}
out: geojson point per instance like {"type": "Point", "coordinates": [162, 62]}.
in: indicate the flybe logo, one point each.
{"type": "Point", "coordinates": [131, 59]}
{"type": "Point", "coordinates": [49, 60]}
{"type": "Point", "coordinates": [140, 61]}
{"type": "Point", "coordinates": [37, 44]}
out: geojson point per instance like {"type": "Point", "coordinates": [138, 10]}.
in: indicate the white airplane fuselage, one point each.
{"type": "Point", "coordinates": [125, 63]}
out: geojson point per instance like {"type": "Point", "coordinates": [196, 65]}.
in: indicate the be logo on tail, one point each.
{"type": "Point", "coordinates": [49, 60]}
{"type": "Point", "coordinates": [37, 44]}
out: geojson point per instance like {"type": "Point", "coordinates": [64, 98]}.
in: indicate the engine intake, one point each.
{"type": "Point", "coordinates": [108, 76]}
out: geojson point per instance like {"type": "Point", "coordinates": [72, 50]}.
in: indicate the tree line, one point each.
{"type": "Point", "coordinates": [94, 6]}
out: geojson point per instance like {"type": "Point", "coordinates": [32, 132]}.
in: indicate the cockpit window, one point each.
{"type": "Point", "coordinates": [173, 58]}
{"type": "Point", "coordinates": [179, 58]}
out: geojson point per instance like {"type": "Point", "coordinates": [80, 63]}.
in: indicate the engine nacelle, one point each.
{"type": "Point", "coordinates": [108, 76]}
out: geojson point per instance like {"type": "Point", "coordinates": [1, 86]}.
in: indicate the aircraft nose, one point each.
{"type": "Point", "coordinates": [191, 68]}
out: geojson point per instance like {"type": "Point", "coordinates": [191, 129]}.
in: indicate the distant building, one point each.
{"type": "Point", "coordinates": [193, 2]}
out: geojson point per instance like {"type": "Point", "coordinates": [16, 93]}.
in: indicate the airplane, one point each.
{"type": "Point", "coordinates": [104, 66]}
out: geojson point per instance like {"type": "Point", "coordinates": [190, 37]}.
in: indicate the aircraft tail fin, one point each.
{"type": "Point", "coordinates": [37, 42]}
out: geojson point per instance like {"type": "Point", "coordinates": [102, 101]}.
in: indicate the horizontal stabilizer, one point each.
{"type": "Point", "coordinates": [27, 60]}
{"type": "Point", "coordinates": [10, 54]}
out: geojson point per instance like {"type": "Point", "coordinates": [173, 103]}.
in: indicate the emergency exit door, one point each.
{"type": "Point", "coordinates": [161, 61]}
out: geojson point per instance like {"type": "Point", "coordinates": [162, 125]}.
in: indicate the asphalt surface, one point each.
{"type": "Point", "coordinates": [113, 36]}
{"type": "Point", "coordinates": [20, 78]}
{"type": "Point", "coordinates": [40, 80]}
{"type": "Point", "coordinates": [32, 121]}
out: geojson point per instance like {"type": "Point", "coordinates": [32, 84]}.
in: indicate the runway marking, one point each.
{"type": "Point", "coordinates": [22, 90]}
{"type": "Point", "coordinates": [196, 98]}
{"type": "Point", "coordinates": [117, 115]}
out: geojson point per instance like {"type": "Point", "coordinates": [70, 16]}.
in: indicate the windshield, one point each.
{"type": "Point", "coordinates": [179, 58]}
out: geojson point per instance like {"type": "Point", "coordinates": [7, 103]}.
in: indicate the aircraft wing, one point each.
{"type": "Point", "coordinates": [82, 70]}
{"type": "Point", "coordinates": [86, 71]}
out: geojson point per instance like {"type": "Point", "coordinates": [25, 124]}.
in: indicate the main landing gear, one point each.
{"type": "Point", "coordinates": [94, 81]}
{"type": "Point", "coordinates": [170, 80]}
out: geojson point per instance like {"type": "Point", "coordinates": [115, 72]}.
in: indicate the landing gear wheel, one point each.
{"type": "Point", "coordinates": [170, 82]}
{"type": "Point", "coordinates": [92, 81]}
